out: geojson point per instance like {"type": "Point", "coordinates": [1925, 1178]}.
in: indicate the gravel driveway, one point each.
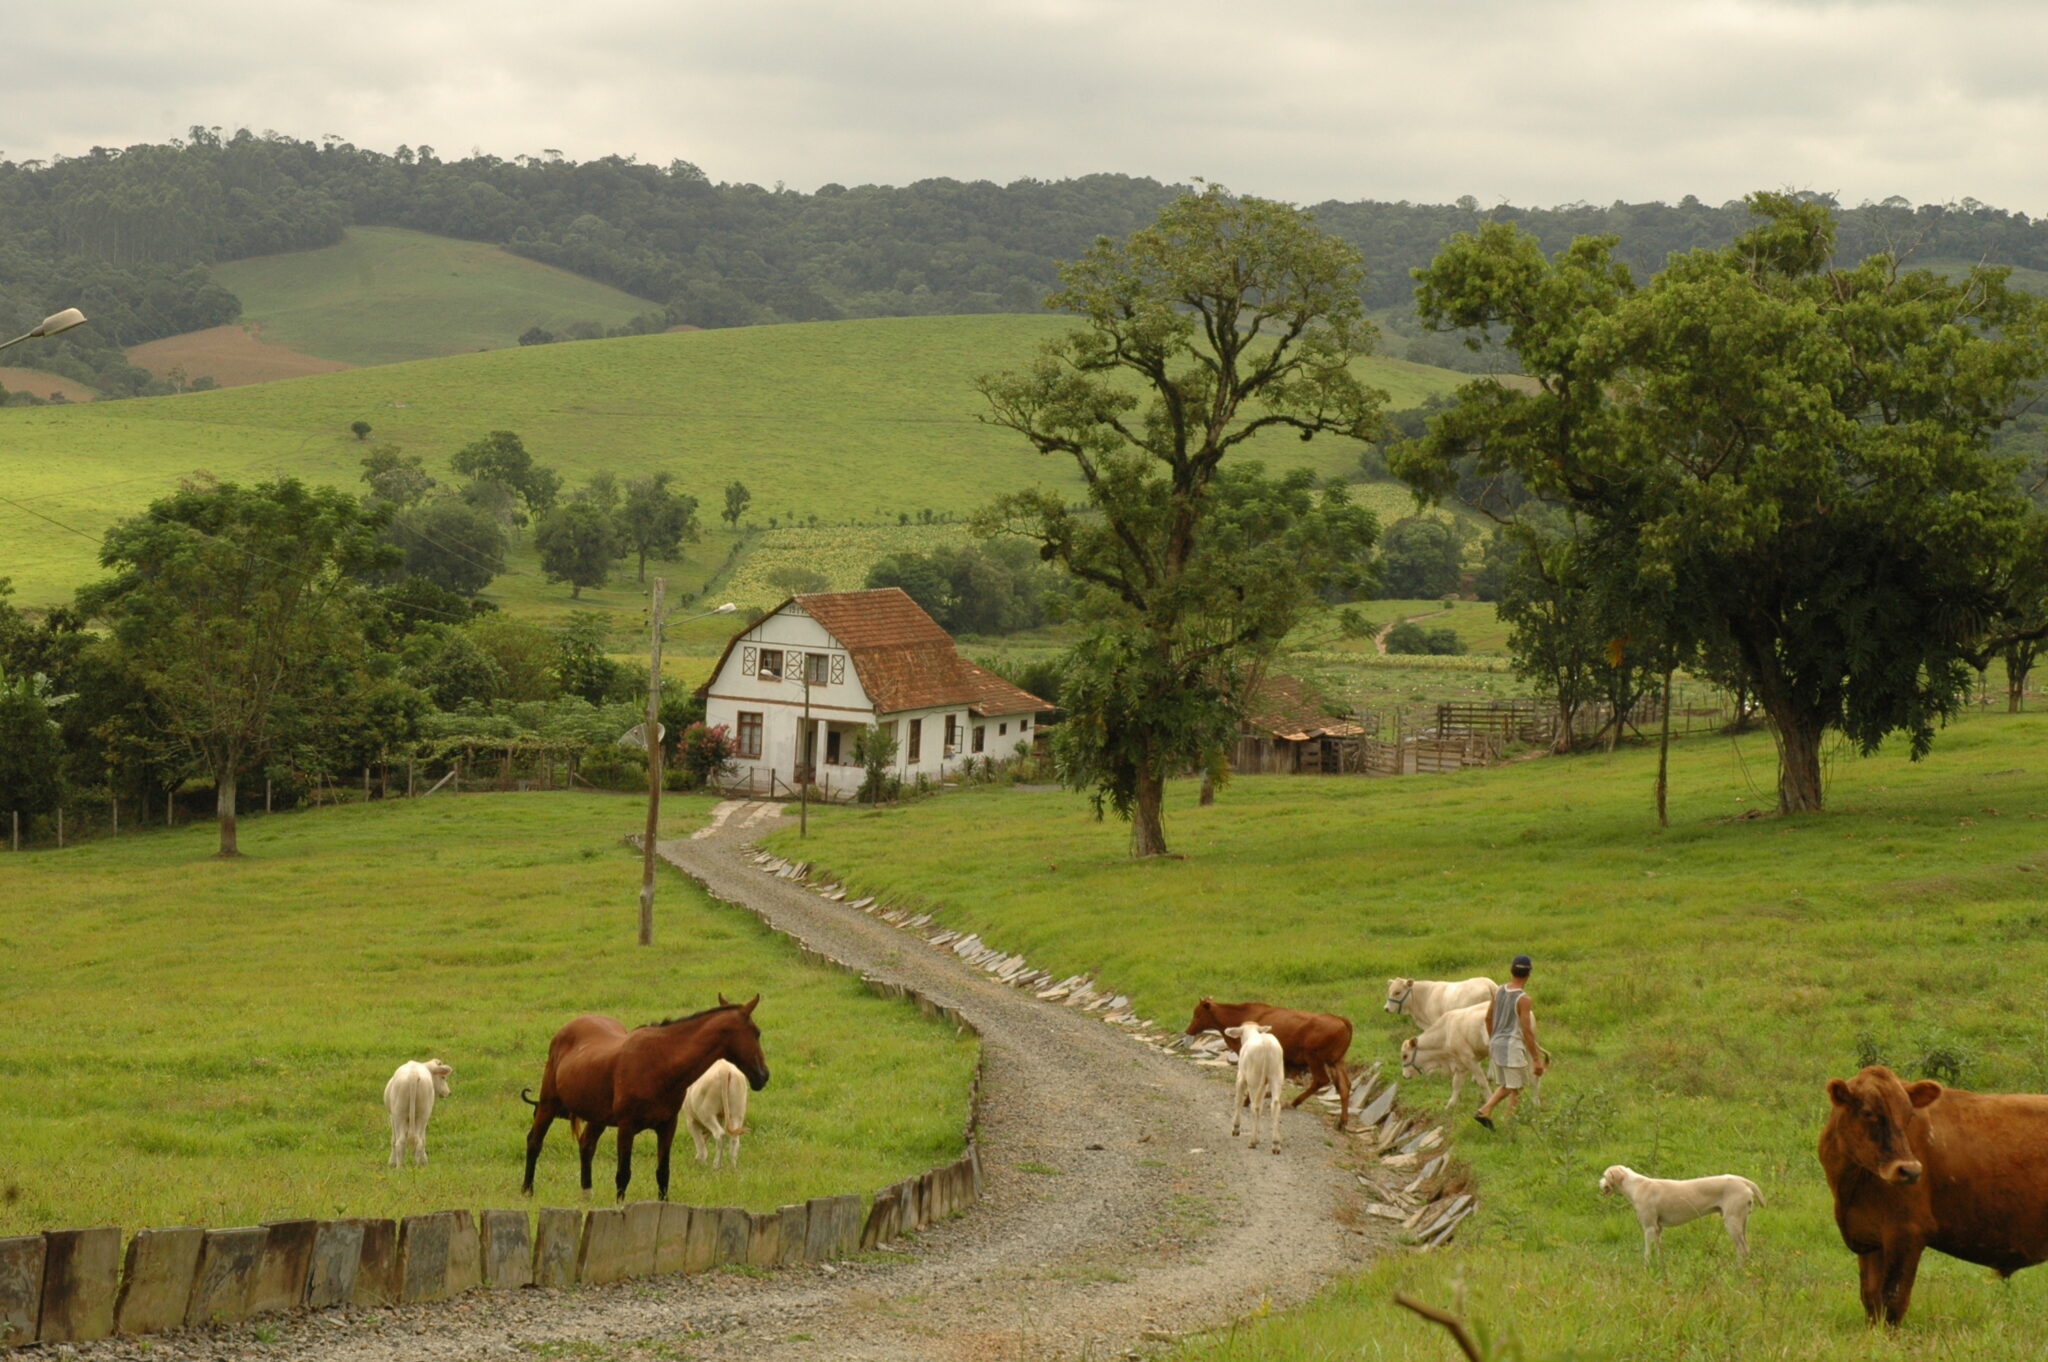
{"type": "Point", "coordinates": [1119, 1213]}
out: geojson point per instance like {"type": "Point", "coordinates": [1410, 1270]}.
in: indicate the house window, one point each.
{"type": "Point", "coordinates": [916, 741]}
{"type": "Point", "coordinates": [980, 731]}
{"type": "Point", "coordinates": [1023, 725]}
{"type": "Point", "coordinates": [770, 666]}
{"type": "Point", "coordinates": [952, 734]}
{"type": "Point", "coordinates": [819, 665]}
{"type": "Point", "coordinates": [750, 733]}
{"type": "Point", "coordinates": [1002, 730]}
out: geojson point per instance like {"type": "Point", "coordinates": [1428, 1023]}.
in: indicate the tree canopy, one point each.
{"type": "Point", "coordinates": [1227, 316]}
{"type": "Point", "coordinates": [1792, 454]}
{"type": "Point", "coordinates": [236, 606]}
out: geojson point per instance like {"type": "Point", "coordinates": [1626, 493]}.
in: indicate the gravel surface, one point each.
{"type": "Point", "coordinates": [1119, 1212]}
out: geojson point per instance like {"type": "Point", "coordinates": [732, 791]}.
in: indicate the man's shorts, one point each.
{"type": "Point", "coordinates": [1514, 1074]}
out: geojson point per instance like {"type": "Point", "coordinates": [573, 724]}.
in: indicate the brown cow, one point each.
{"type": "Point", "coordinates": [1314, 1043]}
{"type": "Point", "coordinates": [1918, 1166]}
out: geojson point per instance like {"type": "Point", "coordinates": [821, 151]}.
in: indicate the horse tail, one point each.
{"type": "Point", "coordinates": [528, 1100]}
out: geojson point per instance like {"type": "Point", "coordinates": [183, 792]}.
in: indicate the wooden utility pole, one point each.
{"type": "Point", "coordinates": [651, 731]}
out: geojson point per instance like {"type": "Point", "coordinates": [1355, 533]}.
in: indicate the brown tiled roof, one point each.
{"type": "Point", "coordinates": [1285, 707]}
{"type": "Point", "coordinates": [903, 658]}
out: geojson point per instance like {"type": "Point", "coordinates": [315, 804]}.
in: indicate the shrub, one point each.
{"type": "Point", "coordinates": [874, 747]}
{"type": "Point", "coordinates": [1410, 637]}
{"type": "Point", "coordinates": [703, 753]}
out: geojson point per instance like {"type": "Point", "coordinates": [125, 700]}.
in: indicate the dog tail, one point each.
{"type": "Point", "coordinates": [528, 1100]}
{"type": "Point", "coordinates": [1756, 1192]}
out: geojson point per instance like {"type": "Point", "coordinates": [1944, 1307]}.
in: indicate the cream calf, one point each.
{"type": "Point", "coordinates": [716, 1105]}
{"type": "Point", "coordinates": [1455, 1044]}
{"type": "Point", "coordinates": [409, 1097]}
{"type": "Point", "coordinates": [1261, 1073]}
{"type": "Point", "coordinates": [1660, 1202]}
{"type": "Point", "coordinates": [1424, 1001]}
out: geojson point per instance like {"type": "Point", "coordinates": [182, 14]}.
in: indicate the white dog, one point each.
{"type": "Point", "coordinates": [1660, 1202]}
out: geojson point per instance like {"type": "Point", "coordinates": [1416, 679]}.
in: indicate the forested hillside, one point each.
{"type": "Point", "coordinates": [129, 235]}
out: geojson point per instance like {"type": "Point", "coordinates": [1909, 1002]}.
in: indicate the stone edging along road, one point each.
{"type": "Point", "coordinates": [1116, 1210]}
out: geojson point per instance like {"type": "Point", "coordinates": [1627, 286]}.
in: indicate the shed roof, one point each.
{"type": "Point", "coordinates": [1287, 708]}
{"type": "Point", "coordinates": [903, 658]}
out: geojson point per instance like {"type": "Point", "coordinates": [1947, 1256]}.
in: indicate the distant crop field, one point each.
{"type": "Point", "coordinates": [1697, 985]}
{"type": "Point", "coordinates": [210, 1041]}
{"type": "Point", "coordinates": [386, 294]}
{"type": "Point", "coordinates": [866, 421]}
{"type": "Point", "coordinates": [39, 384]}
{"type": "Point", "coordinates": [229, 355]}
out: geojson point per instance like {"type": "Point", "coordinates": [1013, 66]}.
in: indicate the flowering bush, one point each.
{"type": "Point", "coordinates": [703, 753]}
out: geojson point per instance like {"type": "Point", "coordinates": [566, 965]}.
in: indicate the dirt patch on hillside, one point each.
{"type": "Point", "coordinates": [42, 385]}
{"type": "Point", "coordinates": [230, 355]}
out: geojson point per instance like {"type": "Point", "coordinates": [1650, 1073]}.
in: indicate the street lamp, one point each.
{"type": "Point", "coordinates": [652, 733]}
{"type": "Point", "coordinates": [52, 324]}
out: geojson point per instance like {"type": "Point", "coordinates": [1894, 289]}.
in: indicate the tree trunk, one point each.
{"type": "Point", "coordinates": [224, 811]}
{"type": "Point", "coordinates": [1208, 788]}
{"type": "Point", "coordinates": [2019, 660]}
{"type": "Point", "coordinates": [1148, 821]}
{"type": "Point", "coordinates": [1799, 788]}
{"type": "Point", "coordinates": [1664, 756]}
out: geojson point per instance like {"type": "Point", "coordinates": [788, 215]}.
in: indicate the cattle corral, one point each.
{"type": "Point", "coordinates": [1698, 987]}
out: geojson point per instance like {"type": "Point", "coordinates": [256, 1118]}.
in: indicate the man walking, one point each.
{"type": "Point", "coordinates": [1512, 1039]}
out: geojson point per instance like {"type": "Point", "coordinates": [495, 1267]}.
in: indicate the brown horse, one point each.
{"type": "Point", "coordinates": [600, 1074]}
{"type": "Point", "coordinates": [1314, 1043]}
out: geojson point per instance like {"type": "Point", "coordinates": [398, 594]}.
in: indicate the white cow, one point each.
{"type": "Point", "coordinates": [1424, 1001]}
{"type": "Point", "coordinates": [1261, 1074]}
{"type": "Point", "coordinates": [409, 1097]}
{"type": "Point", "coordinates": [1458, 1045]}
{"type": "Point", "coordinates": [716, 1105]}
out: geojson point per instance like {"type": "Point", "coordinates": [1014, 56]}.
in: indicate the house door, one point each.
{"type": "Point", "coordinates": [832, 747]}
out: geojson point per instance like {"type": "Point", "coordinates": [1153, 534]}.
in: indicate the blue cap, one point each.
{"type": "Point", "coordinates": [1523, 964]}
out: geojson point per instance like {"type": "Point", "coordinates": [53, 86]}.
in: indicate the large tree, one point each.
{"type": "Point", "coordinates": [1226, 318]}
{"type": "Point", "coordinates": [500, 460]}
{"type": "Point", "coordinates": [30, 753]}
{"type": "Point", "coordinates": [578, 544]}
{"type": "Point", "coordinates": [1793, 453]}
{"type": "Point", "coordinates": [234, 605]}
{"type": "Point", "coordinates": [453, 545]}
{"type": "Point", "coordinates": [656, 519]}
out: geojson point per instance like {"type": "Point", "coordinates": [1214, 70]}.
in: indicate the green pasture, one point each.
{"type": "Point", "coordinates": [198, 1042]}
{"type": "Point", "coordinates": [1698, 985]}
{"type": "Point", "coordinates": [386, 294]}
{"type": "Point", "coordinates": [862, 422]}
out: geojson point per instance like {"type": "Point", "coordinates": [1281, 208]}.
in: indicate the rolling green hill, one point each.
{"type": "Point", "coordinates": [847, 421]}
{"type": "Point", "coordinates": [385, 295]}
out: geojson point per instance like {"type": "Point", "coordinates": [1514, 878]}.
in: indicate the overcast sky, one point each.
{"type": "Point", "coordinates": [1536, 102]}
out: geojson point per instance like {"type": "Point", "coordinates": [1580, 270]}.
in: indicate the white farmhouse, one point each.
{"type": "Point", "coordinates": [847, 659]}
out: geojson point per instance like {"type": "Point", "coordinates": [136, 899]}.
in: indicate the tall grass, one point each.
{"type": "Point", "coordinates": [1698, 986]}
{"type": "Point", "coordinates": [191, 1041]}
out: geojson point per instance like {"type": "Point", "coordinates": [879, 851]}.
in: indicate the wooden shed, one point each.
{"type": "Point", "coordinates": [1288, 729]}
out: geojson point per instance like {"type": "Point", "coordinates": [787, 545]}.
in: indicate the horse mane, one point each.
{"type": "Point", "coordinates": [694, 1016]}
